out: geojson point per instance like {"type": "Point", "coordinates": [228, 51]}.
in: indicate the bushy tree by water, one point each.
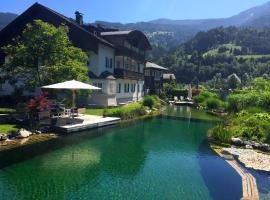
{"type": "Point", "coordinates": [43, 55]}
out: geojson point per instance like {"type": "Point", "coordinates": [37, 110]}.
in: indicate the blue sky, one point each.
{"type": "Point", "coordinates": [138, 10]}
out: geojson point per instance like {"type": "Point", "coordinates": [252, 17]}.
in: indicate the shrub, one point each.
{"type": "Point", "coordinates": [128, 112]}
{"type": "Point", "coordinates": [195, 91]}
{"type": "Point", "coordinates": [199, 99]}
{"type": "Point", "coordinates": [180, 92]}
{"type": "Point", "coordinates": [213, 103]}
{"type": "Point", "coordinates": [151, 101]}
{"type": "Point", "coordinates": [220, 133]}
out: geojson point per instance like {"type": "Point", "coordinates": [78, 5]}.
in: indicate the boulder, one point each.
{"type": "Point", "coordinates": [248, 147]}
{"type": "Point", "coordinates": [264, 147]}
{"type": "Point", "coordinates": [3, 137]}
{"type": "Point", "coordinates": [256, 145]}
{"type": "Point", "coordinates": [24, 134]}
{"type": "Point", "coordinates": [247, 143]}
{"type": "Point", "coordinates": [237, 141]}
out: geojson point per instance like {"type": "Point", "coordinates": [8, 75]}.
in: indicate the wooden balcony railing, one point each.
{"type": "Point", "coordinates": [124, 51]}
{"type": "Point", "coordinates": [127, 74]}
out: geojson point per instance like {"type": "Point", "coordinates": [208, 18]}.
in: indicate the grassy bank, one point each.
{"type": "Point", "coordinates": [249, 115]}
{"type": "Point", "coordinates": [4, 110]}
{"type": "Point", "coordinates": [7, 128]}
{"type": "Point", "coordinates": [94, 111]}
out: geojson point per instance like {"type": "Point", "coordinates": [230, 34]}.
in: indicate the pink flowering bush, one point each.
{"type": "Point", "coordinates": [38, 103]}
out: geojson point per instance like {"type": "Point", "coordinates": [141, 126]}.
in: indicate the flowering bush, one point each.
{"type": "Point", "coordinates": [38, 103]}
{"type": "Point", "coordinates": [195, 91]}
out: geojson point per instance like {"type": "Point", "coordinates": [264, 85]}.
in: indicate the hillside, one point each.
{"type": "Point", "coordinates": [6, 18]}
{"type": "Point", "coordinates": [221, 52]}
{"type": "Point", "coordinates": [166, 35]}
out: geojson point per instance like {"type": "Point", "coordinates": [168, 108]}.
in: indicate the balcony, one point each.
{"type": "Point", "coordinates": [126, 74]}
{"type": "Point", "coordinates": [124, 51]}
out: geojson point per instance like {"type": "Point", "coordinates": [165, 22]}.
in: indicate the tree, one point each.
{"type": "Point", "coordinates": [233, 81]}
{"type": "Point", "coordinates": [44, 55]}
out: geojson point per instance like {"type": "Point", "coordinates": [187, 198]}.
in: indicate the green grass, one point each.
{"type": "Point", "coordinates": [6, 110]}
{"type": "Point", "coordinates": [7, 128]}
{"type": "Point", "coordinates": [95, 111]}
{"type": "Point", "coordinates": [215, 51]}
{"type": "Point", "coordinates": [253, 56]}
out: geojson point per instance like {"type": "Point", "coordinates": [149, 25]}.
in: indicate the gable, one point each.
{"type": "Point", "coordinates": [79, 36]}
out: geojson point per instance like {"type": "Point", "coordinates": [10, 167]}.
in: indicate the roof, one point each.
{"type": "Point", "coordinates": [169, 77]}
{"type": "Point", "coordinates": [135, 37]}
{"type": "Point", "coordinates": [107, 75]}
{"type": "Point", "coordinates": [79, 36]}
{"type": "Point", "coordinates": [76, 24]}
{"type": "Point", "coordinates": [116, 33]}
{"type": "Point", "coordinates": [104, 75]}
{"type": "Point", "coordinates": [155, 66]}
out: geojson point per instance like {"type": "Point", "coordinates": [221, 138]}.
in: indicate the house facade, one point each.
{"type": "Point", "coordinates": [116, 58]}
{"type": "Point", "coordinates": [153, 78]}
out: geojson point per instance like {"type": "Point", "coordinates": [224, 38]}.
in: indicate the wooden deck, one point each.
{"type": "Point", "coordinates": [84, 122]}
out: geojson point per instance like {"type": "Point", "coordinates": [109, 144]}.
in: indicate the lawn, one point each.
{"type": "Point", "coordinates": [6, 110]}
{"type": "Point", "coordinates": [7, 128]}
{"type": "Point", "coordinates": [95, 111]}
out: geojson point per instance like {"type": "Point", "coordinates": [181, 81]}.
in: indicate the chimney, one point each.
{"type": "Point", "coordinates": [79, 17]}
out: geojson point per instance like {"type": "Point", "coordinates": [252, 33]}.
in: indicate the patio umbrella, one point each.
{"type": "Point", "coordinates": [72, 85]}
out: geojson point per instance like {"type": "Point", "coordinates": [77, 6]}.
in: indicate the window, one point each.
{"type": "Point", "coordinates": [119, 88]}
{"type": "Point", "coordinates": [118, 64]}
{"type": "Point", "coordinates": [128, 88]}
{"type": "Point", "coordinates": [111, 88]}
{"type": "Point", "coordinates": [138, 88]}
{"type": "Point", "coordinates": [111, 63]}
{"type": "Point", "coordinates": [134, 87]}
{"type": "Point", "coordinates": [107, 62]}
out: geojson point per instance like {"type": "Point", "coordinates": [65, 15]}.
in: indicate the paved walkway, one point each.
{"type": "Point", "coordinates": [84, 122]}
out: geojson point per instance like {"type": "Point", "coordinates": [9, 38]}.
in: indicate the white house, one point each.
{"type": "Point", "coordinates": [116, 58]}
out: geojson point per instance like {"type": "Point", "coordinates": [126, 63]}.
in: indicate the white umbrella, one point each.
{"type": "Point", "coordinates": [72, 85]}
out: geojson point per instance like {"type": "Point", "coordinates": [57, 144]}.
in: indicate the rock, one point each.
{"type": "Point", "coordinates": [256, 145]}
{"type": "Point", "coordinates": [250, 158]}
{"type": "Point", "coordinates": [237, 141]}
{"type": "Point", "coordinates": [264, 147]}
{"type": "Point", "coordinates": [248, 146]}
{"type": "Point", "coordinates": [24, 134]}
{"type": "Point", "coordinates": [247, 143]}
{"type": "Point", "coordinates": [13, 135]}
{"type": "Point", "coordinates": [3, 137]}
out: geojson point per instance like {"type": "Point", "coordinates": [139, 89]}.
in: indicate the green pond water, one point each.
{"type": "Point", "coordinates": [159, 158]}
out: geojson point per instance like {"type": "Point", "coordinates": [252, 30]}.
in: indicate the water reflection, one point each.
{"type": "Point", "coordinates": [153, 159]}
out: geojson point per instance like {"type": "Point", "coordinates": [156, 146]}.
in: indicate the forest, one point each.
{"type": "Point", "coordinates": [216, 54]}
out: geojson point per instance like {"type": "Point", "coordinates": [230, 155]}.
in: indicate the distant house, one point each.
{"type": "Point", "coordinates": [153, 74]}
{"type": "Point", "coordinates": [116, 58]}
{"type": "Point", "coordinates": [168, 78]}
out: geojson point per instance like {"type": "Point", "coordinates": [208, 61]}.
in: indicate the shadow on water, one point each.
{"type": "Point", "coordinates": [27, 152]}
{"type": "Point", "coordinates": [86, 163]}
{"type": "Point", "coordinates": [222, 180]}
{"type": "Point", "coordinates": [263, 183]}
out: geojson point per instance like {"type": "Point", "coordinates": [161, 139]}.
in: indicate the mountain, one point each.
{"type": "Point", "coordinates": [166, 34]}
{"type": "Point", "coordinates": [220, 52]}
{"type": "Point", "coordinates": [249, 17]}
{"type": "Point", "coordinates": [6, 18]}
